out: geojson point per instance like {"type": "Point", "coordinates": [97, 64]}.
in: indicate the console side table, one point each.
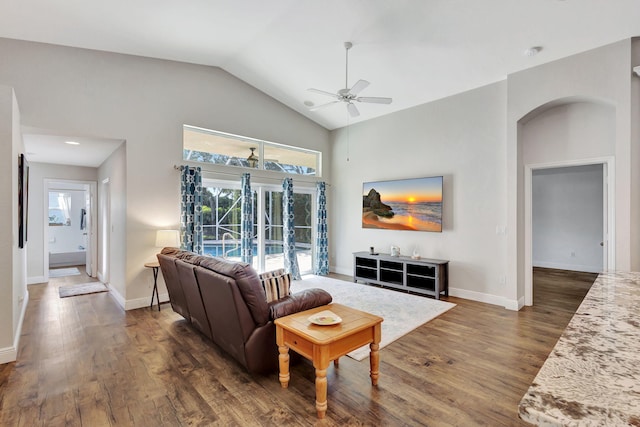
{"type": "Point", "coordinates": [155, 266]}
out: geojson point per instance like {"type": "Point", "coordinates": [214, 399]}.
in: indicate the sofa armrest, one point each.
{"type": "Point", "coordinates": [300, 301]}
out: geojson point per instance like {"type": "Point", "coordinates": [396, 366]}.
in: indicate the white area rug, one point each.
{"type": "Point", "coordinates": [61, 272]}
{"type": "Point", "coordinates": [82, 289]}
{"type": "Point", "coordinates": [402, 312]}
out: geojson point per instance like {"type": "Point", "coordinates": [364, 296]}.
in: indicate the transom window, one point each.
{"type": "Point", "coordinates": [208, 146]}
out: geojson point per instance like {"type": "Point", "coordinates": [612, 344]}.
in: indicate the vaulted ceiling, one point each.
{"type": "Point", "coordinates": [414, 51]}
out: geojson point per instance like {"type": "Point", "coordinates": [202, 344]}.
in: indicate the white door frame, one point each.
{"type": "Point", "coordinates": [608, 238]}
{"type": "Point", "coordinates": [105, 231]}
{"type": "Point", "coordinates": [92, 229]}
{"type": "Point", "coordinates": [92, 241]}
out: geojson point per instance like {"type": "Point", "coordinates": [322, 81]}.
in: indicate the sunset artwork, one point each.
{"type": "Point", "coordinates": [405, 204]}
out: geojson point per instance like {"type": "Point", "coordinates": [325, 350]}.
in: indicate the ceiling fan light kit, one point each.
{"type": "Point", "coordinates": [346, 95]}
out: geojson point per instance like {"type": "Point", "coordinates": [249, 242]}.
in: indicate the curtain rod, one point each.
{"type": "Point", "coordinates": [177, 167]}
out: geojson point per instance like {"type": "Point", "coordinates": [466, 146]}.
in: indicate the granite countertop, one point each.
{"type": "Point", "coordinates": [592, 376]}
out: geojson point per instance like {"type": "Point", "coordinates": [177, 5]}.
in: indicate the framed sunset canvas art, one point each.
{"type": "Point", "coordinates": [403, 204]}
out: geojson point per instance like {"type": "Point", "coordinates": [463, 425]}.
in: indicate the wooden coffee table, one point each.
{"type": "Point", "coordinates": [322, 344]}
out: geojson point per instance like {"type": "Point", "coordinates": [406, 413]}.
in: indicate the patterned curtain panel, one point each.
{"type": "Point", "coordinates": [246, 224]}
{"type": "Point", "coordinates": [321, 262]}
{"type": "Point", "coordinates": [289, 232]}
{"type": "Point", "coordinates": [191, 209]}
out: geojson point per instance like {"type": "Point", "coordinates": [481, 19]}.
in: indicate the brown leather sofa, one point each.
{"type": "Point", "coordinates": [226, 302]}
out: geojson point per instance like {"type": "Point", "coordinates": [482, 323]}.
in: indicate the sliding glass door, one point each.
{"type": "Point", "coordinates": [222, 219]}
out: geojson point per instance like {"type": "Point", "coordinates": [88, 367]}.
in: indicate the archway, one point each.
{"type": "Point", "coordinates": [565, 133]}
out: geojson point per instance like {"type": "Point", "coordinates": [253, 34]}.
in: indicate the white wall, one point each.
{"type": "Point", "coordinates": [461, 138]}
{"type": "Point", "coordinates": [145, 102]}
{"type": "Point", "coordinates": [571, 131]}
{"type": "Point", "coordinates": [114, 170]}
{"type": "Point", "coordinates": [13, 287]}
{"type": "Point", "coordinates": [39, 172]}
{"type": "Point", "coordinates": [567, 218]}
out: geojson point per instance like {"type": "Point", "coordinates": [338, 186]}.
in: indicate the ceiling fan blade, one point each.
{"type": "Point", "coordinates": [358, 87]}
{"type": "Point", "coordinates": [322, 92]}
{"type": "Point", "coordinates": [317, 107]}
{"type": "Point", "coordinates": [353, 110]}
{"type": "Point", "coordinates": [374, 99]}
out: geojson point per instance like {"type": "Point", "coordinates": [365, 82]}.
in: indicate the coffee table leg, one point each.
{"type": "Point", "coordinates": [283, 359]}
{"type": "Point", "coordinates": [321, 391]}
{"type": "Point", "coordinates": [374, 356]}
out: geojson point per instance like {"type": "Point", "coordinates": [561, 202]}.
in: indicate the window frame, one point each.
{"type": "Point", "coordinates": [260, 149]}
{"type": "Point", "coordinates": [259, 188]}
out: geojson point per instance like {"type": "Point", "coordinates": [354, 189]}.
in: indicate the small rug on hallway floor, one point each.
{"type": "Point", "coordinates": [402, 312]}
{"type": "Point", "coordinates": [61, 272]}
{"type": "Point", "coordinates": [82, 289]}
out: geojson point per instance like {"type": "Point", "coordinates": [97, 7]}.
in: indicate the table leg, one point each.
{"type": "Point", "coordinates": [321, 363]}
{"type": "Point", "coordinates": [321, 392]}
{"type": "Point", "coordinates": [374, 362]}
{"type": "Point", "coordinates": [283, 359]}
{"type": "Point", "coordinates": [374, 356]}
{"type": "Point", "coordinates": [154, 292]}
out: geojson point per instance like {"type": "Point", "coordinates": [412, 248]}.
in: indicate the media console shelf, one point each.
{"type": "Point", "coordinates": [424, 276]}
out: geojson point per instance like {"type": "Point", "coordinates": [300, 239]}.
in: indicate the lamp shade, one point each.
{"type": "Point", "coordinates": [168, 238]}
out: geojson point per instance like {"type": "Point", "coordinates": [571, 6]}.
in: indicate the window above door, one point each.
{"type": "Point", "coordinates": [209, 146]}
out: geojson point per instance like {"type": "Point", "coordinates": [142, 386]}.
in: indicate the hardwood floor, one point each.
{"type": "Point", "coordinates": [83, 361]}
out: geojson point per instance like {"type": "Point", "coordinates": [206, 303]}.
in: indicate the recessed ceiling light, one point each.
{"type": "Point", "coordinates": [72, 143]}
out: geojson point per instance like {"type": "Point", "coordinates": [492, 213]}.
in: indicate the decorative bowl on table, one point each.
{"type": "Point", "coordinates": [325, 317]}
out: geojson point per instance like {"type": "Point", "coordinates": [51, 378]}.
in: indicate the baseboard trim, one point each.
{"type": "Point", "coordinates": [116, 295]}
{"type": "Point", "coordinates": [485, 298]}
{"type": "Point", "coordinates": [345, 271]}
{"type": "Point", "coordinates": [463, 293]}
{"type": "Point", "coordinates": [134, 304]}
{"type": "Point", "coordinates": [35, 280]}
{"type": "Point", "coordinates": [567, 267]}
{"type": "Point", "coordinates": [10, 354]}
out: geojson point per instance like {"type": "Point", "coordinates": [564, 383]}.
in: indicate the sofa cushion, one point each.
{"type": "Point", "coordinates": [300, 301]}
{"type": "Point", "coordinates": [174, 287]}
{"type": "Point", "coordinates": [276, 284]}
{"type": "Point", "coordinates": [248, 282]}
{"type": "Point", "coordinates": [181, 254]}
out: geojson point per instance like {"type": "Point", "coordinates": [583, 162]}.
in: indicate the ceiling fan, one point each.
{"type": "Point", "coordinates": [349, 96]}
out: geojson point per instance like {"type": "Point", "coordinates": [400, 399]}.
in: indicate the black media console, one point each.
{"type": "Point", "coordinates": [424, 276]}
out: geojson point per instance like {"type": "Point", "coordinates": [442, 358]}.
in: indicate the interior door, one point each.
{"type": "Point", "coordinates": [605, 218]}
{"type": "Point", "coordinates": [87, 221]}
{"type": "Point", "coordinates": [105, 226]}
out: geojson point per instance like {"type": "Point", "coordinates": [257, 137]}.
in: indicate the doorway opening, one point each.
{"type": "Point", "coordinates": [69, 227]}
{"type": "Point", "coordinates": [569, 214]}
